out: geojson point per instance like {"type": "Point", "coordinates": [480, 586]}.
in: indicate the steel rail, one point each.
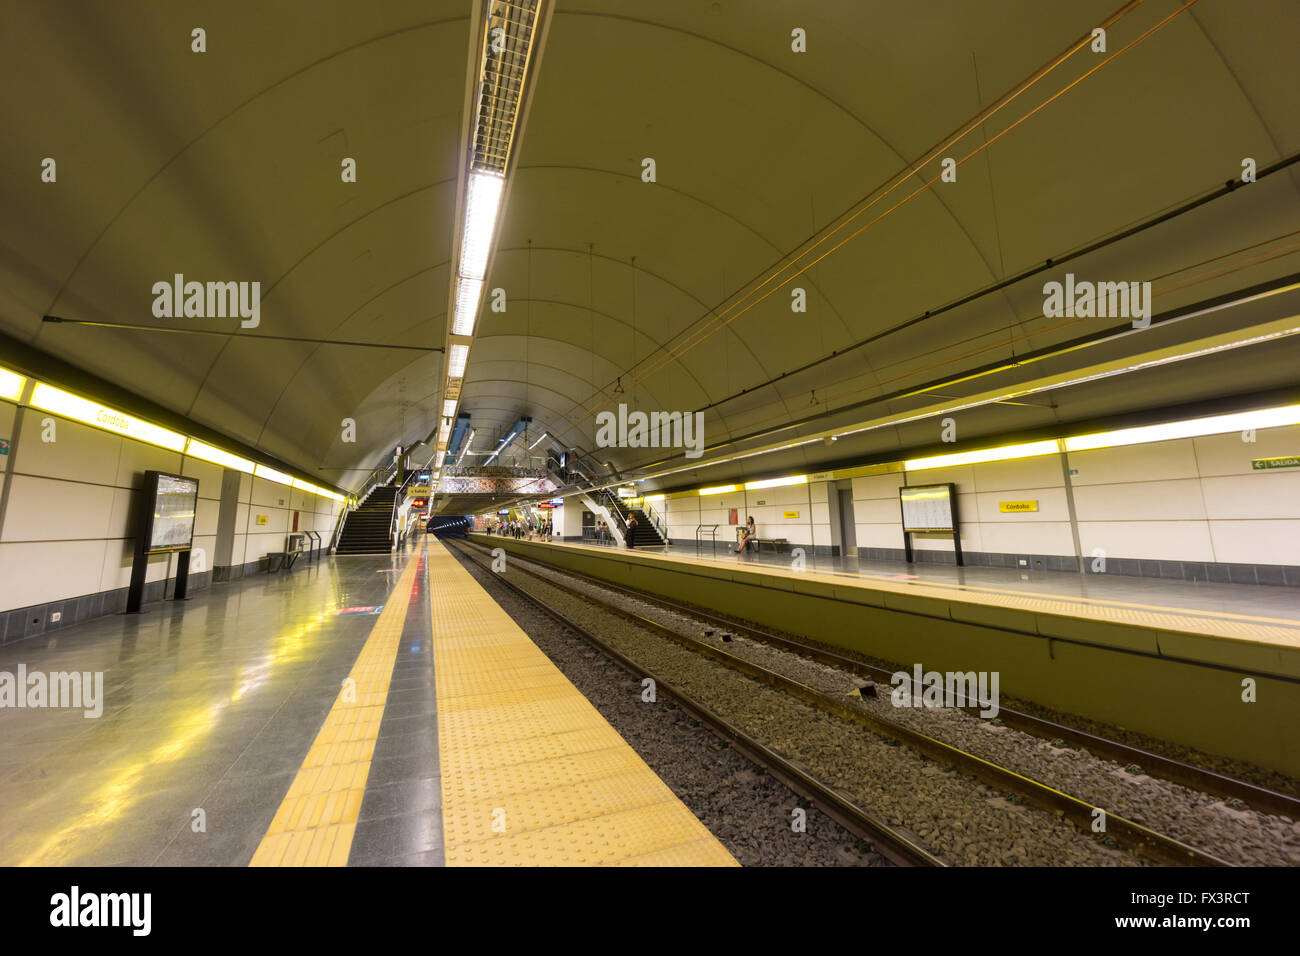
{"type": "Point", "coordinates": [1157, 765]}
{"type": "Point", "coordinates": [894, 843]}
{"type": "Point", "coordinates": [1150, 843]}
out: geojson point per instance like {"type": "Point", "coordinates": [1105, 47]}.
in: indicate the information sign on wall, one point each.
{"type": "Point", "coordinates": [1259, 464]}
{"type": "Point", "coordinates": [1011, 507]}
{"type": "Point", "coordinates": [789, 514]}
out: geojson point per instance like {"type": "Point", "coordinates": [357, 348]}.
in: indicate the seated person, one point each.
{"type": "Point", "coordinates": [749, 534]}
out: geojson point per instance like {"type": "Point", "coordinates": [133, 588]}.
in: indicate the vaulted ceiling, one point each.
{"type": "Point", "coordinates": [225, 165]}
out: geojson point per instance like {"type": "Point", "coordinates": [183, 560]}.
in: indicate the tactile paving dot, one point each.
{"type": "Point", "coordinates": [532, 774]}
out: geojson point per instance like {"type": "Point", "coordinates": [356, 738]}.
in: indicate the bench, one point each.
{"type": "Point", "coordinates": [284, 560]}
{"type": "Point", "coordinates": [777, 545]}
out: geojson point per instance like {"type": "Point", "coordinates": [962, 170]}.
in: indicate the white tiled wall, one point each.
{"type": "Point", "coordinates": [67, 527]}
{"type": "Point", "coordinates": [1185, 500]}
{"type": "Point", "coordinates": [810, 501]}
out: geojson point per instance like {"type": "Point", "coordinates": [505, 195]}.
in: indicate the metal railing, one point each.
{"type": "Point", "coordinates": [706, 529]}
{"type": "Point", "coordinates": [394, 535]}
{"type": "Point", "coordinates": [656, 519]}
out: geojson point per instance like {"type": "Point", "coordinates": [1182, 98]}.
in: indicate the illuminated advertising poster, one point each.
{"type": "Point", "coordinates": [927, 508]}
{"type": "Point", "coordinates": [171, 501]}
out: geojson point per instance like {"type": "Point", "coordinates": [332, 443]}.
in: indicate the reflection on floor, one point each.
{"type": "Point", "coordinates": [209, 708]}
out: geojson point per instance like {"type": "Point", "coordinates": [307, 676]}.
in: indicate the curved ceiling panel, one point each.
{"type": "Point", "coordinates": [225, 165]}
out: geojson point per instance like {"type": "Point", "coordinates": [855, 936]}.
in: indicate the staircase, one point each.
{"type": "Point", "coordinates": [368, 529]}
{"type": "Point", "coordinates": [646, 534]}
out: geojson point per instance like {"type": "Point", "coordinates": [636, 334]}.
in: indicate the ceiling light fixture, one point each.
{"type": "Point", "coordinates": [459, 355]}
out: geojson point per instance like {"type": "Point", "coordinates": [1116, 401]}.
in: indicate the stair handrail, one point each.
{"type": "Point", "coordinates": [613, 502]}
{"type": "Point", "coordinates": [660, 524]}
{"type": "Point", "coordinates": [398, 495]}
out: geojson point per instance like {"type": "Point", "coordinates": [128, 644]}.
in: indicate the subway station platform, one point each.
{"type": "Point", "coordinates": [1264, 613]}
{"type": "Point", "coordinates": [360, 711]}
{"type": "Point", "coordinates": [1165, 658]}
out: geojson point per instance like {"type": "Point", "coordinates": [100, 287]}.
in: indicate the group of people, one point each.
{"type": "Point", "coordinates": [515, 528]}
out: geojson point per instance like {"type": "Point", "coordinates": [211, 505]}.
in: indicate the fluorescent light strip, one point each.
{"type": "Point", "coordinates": [1191, 428]}
{"type": "Point", "coordinates": [482, 200]}
{"type": "Point", "coordinates": [719, 490]}
{"type": "Point", "coordinates": [1213, 344]}
{"type": "Point", "coordinates": [210, 453]}
{"type": "Point", "coordinates": [449, 408]}
{"type": "Point", "coordinates": [776, 482]}
{"type": "Point", "coordinates": [1027, 450]}
{"type": "Point", "coordinates": [468, 293]}
{"type": "Point", "coordinates": [468, 441]}
{"type": "Point", "coordinates": [11, 384]}
{"type": "Point", "coordinates": [457, 357]}
{"type": "Point", "coordinates": [270, 474]}
{"type": "Point", "coordinates": [51, 399]}
{"type": "Point", "coordinates": [538, 442]}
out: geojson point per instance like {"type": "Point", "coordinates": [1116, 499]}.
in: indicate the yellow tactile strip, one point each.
{"type": "Point", "coordinates": [532, 774]}
{"type": "Point", "coordinates": [318, 817]}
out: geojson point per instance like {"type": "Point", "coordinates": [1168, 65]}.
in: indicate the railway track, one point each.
{"type": "Point", "coordinates": [1154, 764]}
{"type": "Point", "coordinates": [893, 842]}
{"type": "Point", "coordinates": [1150, 843]}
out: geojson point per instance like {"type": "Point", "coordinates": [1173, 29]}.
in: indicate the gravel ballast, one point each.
{"type": "Point", "coordinates": [962, 819]}
{"type": "Point", "coordinates": [749, 812]}
{"type": "Point", "coordinates": [1228, 829]}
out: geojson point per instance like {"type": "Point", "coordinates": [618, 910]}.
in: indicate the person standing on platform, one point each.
{"type": "Point", "coordinates": [631, 531]}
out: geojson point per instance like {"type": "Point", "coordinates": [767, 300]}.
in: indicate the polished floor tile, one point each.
{"type": "Point", "coordinates": [209, 708]}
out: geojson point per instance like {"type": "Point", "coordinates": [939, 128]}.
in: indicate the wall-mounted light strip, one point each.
{"type": "Point", "coordinates": [776, 482]}
{"type": "Point", "coordinates": [210, 453]}
{"type": "Point", "coordinates": [718, 490]}
{"type": "Point", "coordinates": [270, 474]}
{"type": "Point", "coordinates": [68, 405]}
{"type": "Point", "coordinates": [1004, 453]}
{"type": "Point", "coordinates": [538, 442]}
{"type": "Point", "coordinates": [51, 399]}
{"type": "Point", "coordinates": [1191, 428]}
{"type": "Point", "coordinates": [11, 384]}
{"type": "Point", "coordinates": [1200, 348]}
